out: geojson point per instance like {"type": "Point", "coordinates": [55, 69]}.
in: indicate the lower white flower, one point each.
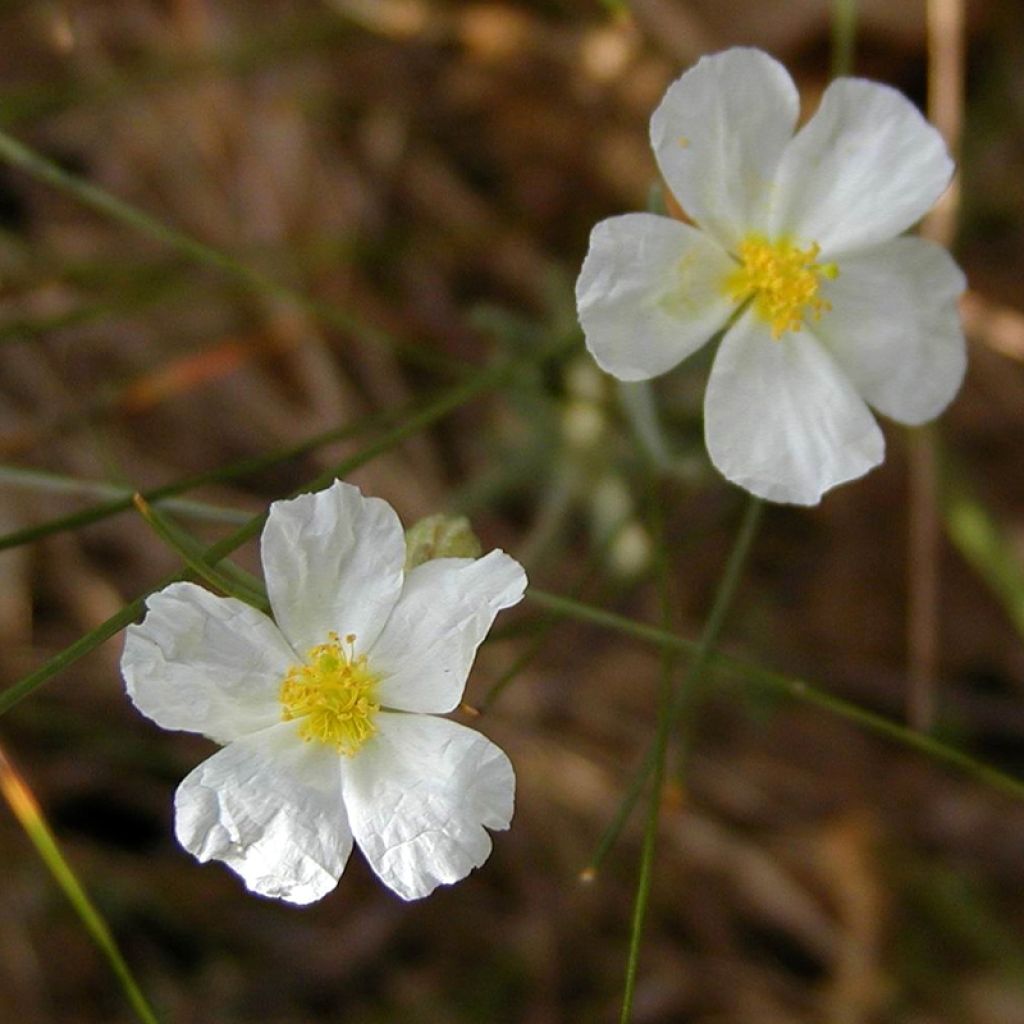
{"type": "Point", "coordinates": [327, 714]}
{"type": "Point", "coordinates": [794, 254]}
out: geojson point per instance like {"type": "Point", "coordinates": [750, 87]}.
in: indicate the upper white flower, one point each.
{"type": "Point", "coordinates": [795, 254]}
{"type": "Point", "coordinates": [327, 718]}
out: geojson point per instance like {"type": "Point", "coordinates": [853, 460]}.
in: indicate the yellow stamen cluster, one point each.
{"type": "Point", "coordinates": [782, 281]}
{"type": "Point", "coordinates": [334, 693]}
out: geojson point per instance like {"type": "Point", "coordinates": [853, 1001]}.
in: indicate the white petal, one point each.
{"type": "Point", "coordinates": [333, 561]}
{"type": "Point", "coordinates": [718, 136]}
{"type": "Point", "coordinates": [205, 664]}
{"type": "Point", "coordinates": [427, 647]}
{"type": "Point", "coordinates": [863, 169]}
{"type": "Point", "coordinates": [650, 293]}
{"type": "Point", "coordinates": [895, 329]}
{"type": "Point", "coordinates": [419, 796]}
{"type": "Point", "coordinates": [781, 420]}
{"type": "Point", "coordinates": [270, 807]}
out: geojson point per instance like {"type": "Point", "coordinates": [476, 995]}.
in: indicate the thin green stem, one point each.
{"type": "Point", "coordinates": [225, 577]}
{"type": "Point", "coordinates": [21, 156]}
{"type": "Point", "coordinates": [441, 407]}
{"type": "Point", "coordinates": [131, 296]}
{"type": "Point", "coordinates": [790, 687]}
{"type": "Point", "coordinates": [73, 652]}
{"type": "Point", "coordinates": [844, 36]}
{"type": "Point", "coordinates": [57, 483]}
{"type": "Point", "coordinates": [27, 811]}
{"type": "Point", "coordinates": [242, 468]}
{"type": "Point", "coordinates": [548, 622]}
{"type": "Point", "coordinates": [645, 877]}
{"type": "Point", "coordinates": [692, 689]}
{"type": "Point", "coordinates": [534, 647]}
{"type": "Point", "coordinates": [688, 692]}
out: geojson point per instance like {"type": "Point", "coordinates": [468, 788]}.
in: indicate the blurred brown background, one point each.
{"type": "Point", "coordinates": [432, 169]}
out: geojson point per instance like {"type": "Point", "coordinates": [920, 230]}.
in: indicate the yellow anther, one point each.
{"type": "Point", "coordinates": [781, 280]}
{"type": "Point", "coordinates": [334, 693]}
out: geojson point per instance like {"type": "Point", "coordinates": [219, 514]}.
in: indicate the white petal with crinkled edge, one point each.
{"type": "Point", "coordinates": [332, 560]}
{"type": "Point", "coordinates": [718, 135]}
{"type": "Point", "coordinates": [419, 796]}
{"type": "Point", "coordinates": [781, 419]}
{"type": "Point", "coordinates": [650, 293]}
{"type": "Point", "coordinates": [205, 664]}
{"type": "Point", "coordinates": [270, 807]}
{"type": "Point", "coordinates": [862, 170]}
{"type": "Point", "coordinates": [895, 329]}
{"type": "Point", "coordinates": [447, 606]}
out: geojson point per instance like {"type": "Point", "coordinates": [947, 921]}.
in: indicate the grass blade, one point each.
{"type": "Point", "coordinates": [25, 808]}
{"type": "Point", "coordinates": [983, 544]}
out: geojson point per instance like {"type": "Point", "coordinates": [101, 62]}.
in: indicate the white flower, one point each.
{"type": "Point", "coordinates": [796, 255]}
{"type": "Point", "coordinates": [327, 719]}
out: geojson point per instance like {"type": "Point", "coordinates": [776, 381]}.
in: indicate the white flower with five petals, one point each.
{"type": "Point", "coordinates": [794, 253]}
{"type": "Point", "coordinates": [327, 714]}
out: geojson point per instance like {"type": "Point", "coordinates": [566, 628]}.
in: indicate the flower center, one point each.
{"type": "Point", "coordinates": [334, 694]}
{"type": "Point", "coordinates": [782, 281]}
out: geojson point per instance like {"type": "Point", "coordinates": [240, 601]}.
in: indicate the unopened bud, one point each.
{"type": "Point", "coordinates": [440, 536]}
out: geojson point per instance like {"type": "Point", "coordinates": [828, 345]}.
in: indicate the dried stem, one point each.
{"type": "Point", "coordinates": [945, 106]}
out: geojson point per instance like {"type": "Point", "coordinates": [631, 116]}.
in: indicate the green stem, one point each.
{"type": "Point", "coordinates": [548, 622]}
{"type": "Point", "coordinates": [844, 36]}
{"type": "Point", "coordinates": [645, 877]}
{"type": "Point", "coordinates": [225, 577]}
{"type": "Point", "coordinates": [131, 296]}
{"type": "Point", "coordinates": [449, 401]}
{"type": "Point", "coordinates": [692, 689]}
{"type": "Point", "coordinates": [688, 692]}
{"type": "Point", "coordinates": [791, 687]}
{"type": "Point", "coordinates": [533, 648]}
{"type": "Point", "coordinates": [56, 483]}
{"type": "Point", "coordinates": [242, 468]}
{"type": "Point", "coordinates": [21, 156]}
